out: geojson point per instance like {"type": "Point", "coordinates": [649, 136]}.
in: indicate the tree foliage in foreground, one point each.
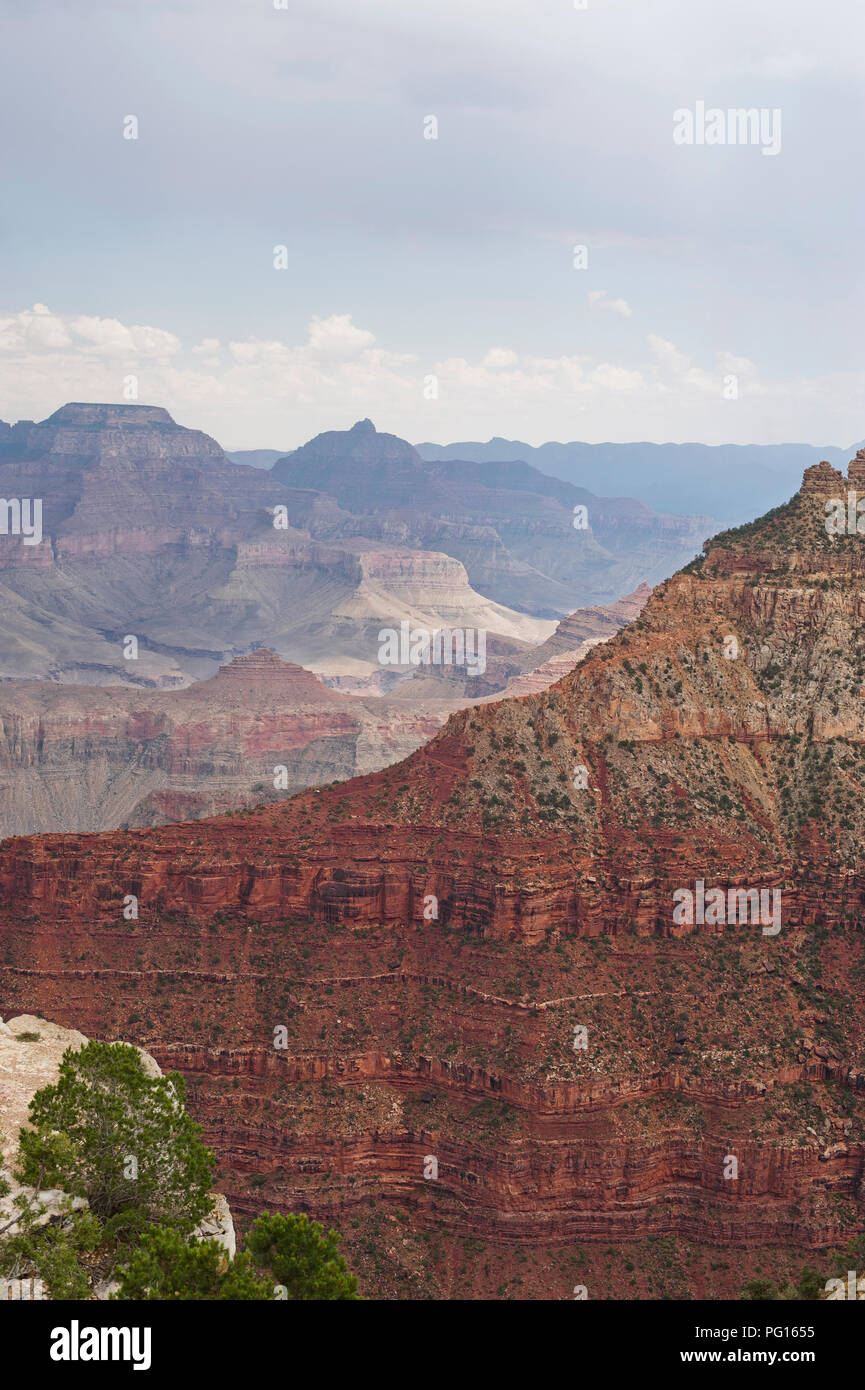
{"type": "Point", "coordinates": [812, 1284]}
{"type": "Point", "coordinates": [109, 1132]}
{"type": "Point", "coordinates": [301, 1256]}
{"type": "Point", "coordinates": [167, 1266]}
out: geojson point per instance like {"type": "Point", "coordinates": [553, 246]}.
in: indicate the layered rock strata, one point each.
{"type": "Point", "coordinates": [476, 956]}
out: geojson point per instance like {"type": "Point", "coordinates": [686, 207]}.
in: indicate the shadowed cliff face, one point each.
{"type": "Point", "coordinates": [434, 938]}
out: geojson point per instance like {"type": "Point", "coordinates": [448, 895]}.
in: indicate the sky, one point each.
{"type": "Point", "coordinates": [432, 284]}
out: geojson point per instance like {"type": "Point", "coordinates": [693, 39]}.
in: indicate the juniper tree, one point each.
{"type": "Point", "coordinates": [302, 1257]}
{"type": "Point", "coordinates": [166, 1266]}
{"type": "Point", "coordinates": [109, 1132]}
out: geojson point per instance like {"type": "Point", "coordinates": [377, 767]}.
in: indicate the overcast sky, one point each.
{"type": "Point", "coordinates": [453, 258]}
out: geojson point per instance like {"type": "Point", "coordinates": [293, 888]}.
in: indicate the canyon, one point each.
{"type": "Point", "coordinates": [516, 530]}
{"type": "Point", "coordinates": [446, 1006]}
{"type": "Point", "coordinates": [150, 531]}
{"type": "Point", "coordinates": [84, 757]}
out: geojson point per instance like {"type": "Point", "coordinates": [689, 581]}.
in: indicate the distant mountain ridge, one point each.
{"type": "Point", "coordinates": [256, 458]}
{"type": "Point", "coordinates": [514, 528]}
{"type": "Point", "coordinates": [730, 482]}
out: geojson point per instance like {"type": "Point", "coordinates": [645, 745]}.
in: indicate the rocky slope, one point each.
{"type": "Point", "coordinates": [434, 938]}
{"type": "Point", "coordinates": [96, 758]}
{"type": "Point", "coordinates": [592, 624]}
{"type": "Point", "coordinates": [574, 636]}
